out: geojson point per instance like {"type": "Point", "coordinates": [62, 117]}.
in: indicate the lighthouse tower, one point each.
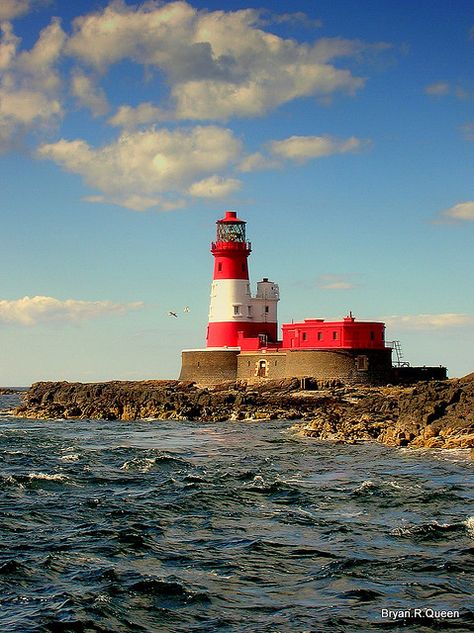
{"type": "Point", "coordinates": [234, 315]}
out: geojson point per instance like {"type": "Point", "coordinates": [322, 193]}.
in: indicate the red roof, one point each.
{"type": "Point", "coordinates": [230, 216]}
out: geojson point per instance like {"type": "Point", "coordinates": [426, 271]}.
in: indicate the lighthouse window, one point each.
{"type": "Point", "coordinates": [266, 309]}
{"type": "Point", "coordinates": [334, 336]}
{"type": "Point", "coordinates": [236, 310]}
{"type": "Point", "coordinates": [243, 267]}
{"type": "Point", "coordinates": [249, 310]}
{"type": "Point", "coordinates": [219, 266]}
{"type": "Point", "coordinates": [320, 336]}
{"type": "Point", "coordinates": [372, 336]}
{"type": "Point", "coordinates": [305, 336]}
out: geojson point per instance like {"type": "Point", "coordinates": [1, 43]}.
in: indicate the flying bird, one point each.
{"type": "Point", "coordinates": [173, 314]}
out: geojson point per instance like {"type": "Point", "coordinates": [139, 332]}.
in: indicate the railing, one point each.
{"type": "Point", "coordinates": [231, 246]}
{"type": "Point", "coordinates": [397, 348]}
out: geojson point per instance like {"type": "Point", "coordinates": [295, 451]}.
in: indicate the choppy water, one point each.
{"type": "Point", "coordinates": [183, 527]}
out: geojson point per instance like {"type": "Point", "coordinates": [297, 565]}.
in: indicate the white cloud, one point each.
{"type": "Point", "coordinates": [443, 88]}
{"type": "Point", "coordinates": [335, 282]}
{"type": "Point", "coordinates": [154, 165]}
{"type": "Point", "coordinates": [130, 118]}
{"type": "Point", "coordinates": [27, 106]}
{"type": "Point", "coordinates": [8, 45]}
{"type": "Point", "coordinates": [429, 321]}
{"type": "Point", "coordinates": [39, 309]}
{"type": "Point", "coordinates": [41, 58]}
{"type": "Point", "coordinates": [218, 64]}
{"type": "Point", "coordinates": [462, 212]}
{"type": "Point", "coordinates": [214, 187]}
{"type": "Point", "coordinates": [303, 148]}
{"type": "Point", "coordinates": [256, 161]}
{"type": "Point", "coordinates": [29, 84]}
{"type": "Point", "coordinates": [11, 9]}
{"type": "Point", "coordinates": [137, 202]}
{"type": "Point", "coordinates": [468, 131]}
{"type": "Point", "coordinates": [298, 18]}
{"type": "Point", "coordinates": [88, 94]}
{"type": "Point", "coordinates": [439, 88]}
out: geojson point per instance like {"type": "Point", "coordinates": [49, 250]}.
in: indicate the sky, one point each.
{"type": "Point", "coordinates": [342, 131]}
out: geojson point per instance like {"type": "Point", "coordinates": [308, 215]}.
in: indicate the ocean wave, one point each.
{"type": "Point", "coordinates": [140, 464]}
{"type": "Point", "coordinates": [48, 477]}
{"type": "Point", "coordinates": [34, 480]}
{"type": "Point", "coordinates": [168, 590]}
{"type": "Point", "coordinates": [13, 567]}
{"type": "Point", "coordinates": [165, 531]}
{"type": "Point", "coordinates": [434, 529]}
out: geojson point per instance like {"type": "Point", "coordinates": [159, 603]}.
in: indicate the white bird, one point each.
{"type": "Point", "coordinates": [173, 314]}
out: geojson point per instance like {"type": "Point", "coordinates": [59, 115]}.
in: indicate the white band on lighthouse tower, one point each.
{"type": "Point", "coordinates": [231, 300]}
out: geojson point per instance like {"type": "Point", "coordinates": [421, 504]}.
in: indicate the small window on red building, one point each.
{"type": "Point", "coordinates": [320, 336]}
{"type": "Point", "coordinates": [334, 336]}
{"type": "Point", "coordinates": [243, 267]}
{"type": "Point", "coordinates": [305, 336]}
{"type": "Point", "coordinates": [372, 336]}
{"type": "Point", "coordinates": [219, 266]}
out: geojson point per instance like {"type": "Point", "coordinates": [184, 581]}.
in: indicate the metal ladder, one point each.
{"type": "Point", "coordinates": [397, 348]}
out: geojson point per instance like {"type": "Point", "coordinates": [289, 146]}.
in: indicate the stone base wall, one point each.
{"type": "Point", "coordinates": [349, 367]}
{"type": "Point", "coordinates": [249, 366]}
{"type": "Point", "coordinates": [209, 367]}
{"type": "Point", "coordinates": [325, 367]}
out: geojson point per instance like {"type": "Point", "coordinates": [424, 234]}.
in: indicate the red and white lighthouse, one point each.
{"type": "Point", "coordinates": [234, 314]}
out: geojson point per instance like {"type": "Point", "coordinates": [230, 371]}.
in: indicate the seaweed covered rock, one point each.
{"type": "Point", "coordinates": [428, 414]}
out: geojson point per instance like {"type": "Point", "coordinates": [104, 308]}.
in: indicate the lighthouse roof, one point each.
{"type": "Point", "coordinates": [230, 216]}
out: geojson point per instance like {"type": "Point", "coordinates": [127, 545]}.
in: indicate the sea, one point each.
{"type": "Point", "coordinates": [181, 527]}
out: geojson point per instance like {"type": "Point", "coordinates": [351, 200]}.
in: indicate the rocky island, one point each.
{"type": "Point", "coordinates": [434, 414]}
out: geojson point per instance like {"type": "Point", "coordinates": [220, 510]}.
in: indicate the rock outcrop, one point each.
{"type": "Point", "coordinates": [429, 414]}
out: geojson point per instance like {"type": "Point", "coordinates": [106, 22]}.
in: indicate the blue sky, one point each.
{"type": "Point", "coordinates": [342, 131]}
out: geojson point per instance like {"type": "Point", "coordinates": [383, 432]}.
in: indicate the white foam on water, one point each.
{"type": "Point", "coordinates": [140, 464]}
{"type": "Point", "coordinates": [469, 523]}
{"type": "Point", "coordinates": [72, 457]}
{"type": "Point", "coordinates": [47, 476]}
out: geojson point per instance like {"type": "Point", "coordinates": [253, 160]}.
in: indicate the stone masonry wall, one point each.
{"type": "Point", "coordinates": [248, 366]}
{"type": "Point", "coordinates": [208, 367]}
{"type": "Point", "coordinates": [347, 366]}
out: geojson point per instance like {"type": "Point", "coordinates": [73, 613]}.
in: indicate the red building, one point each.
{"type": "Point", "coordinates": [321, 334]}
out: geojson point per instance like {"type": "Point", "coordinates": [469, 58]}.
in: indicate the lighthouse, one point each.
{"type": "Point", "coordinates": [234, 314]}
{"type": "Point", "coordinates": [242, 333]}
